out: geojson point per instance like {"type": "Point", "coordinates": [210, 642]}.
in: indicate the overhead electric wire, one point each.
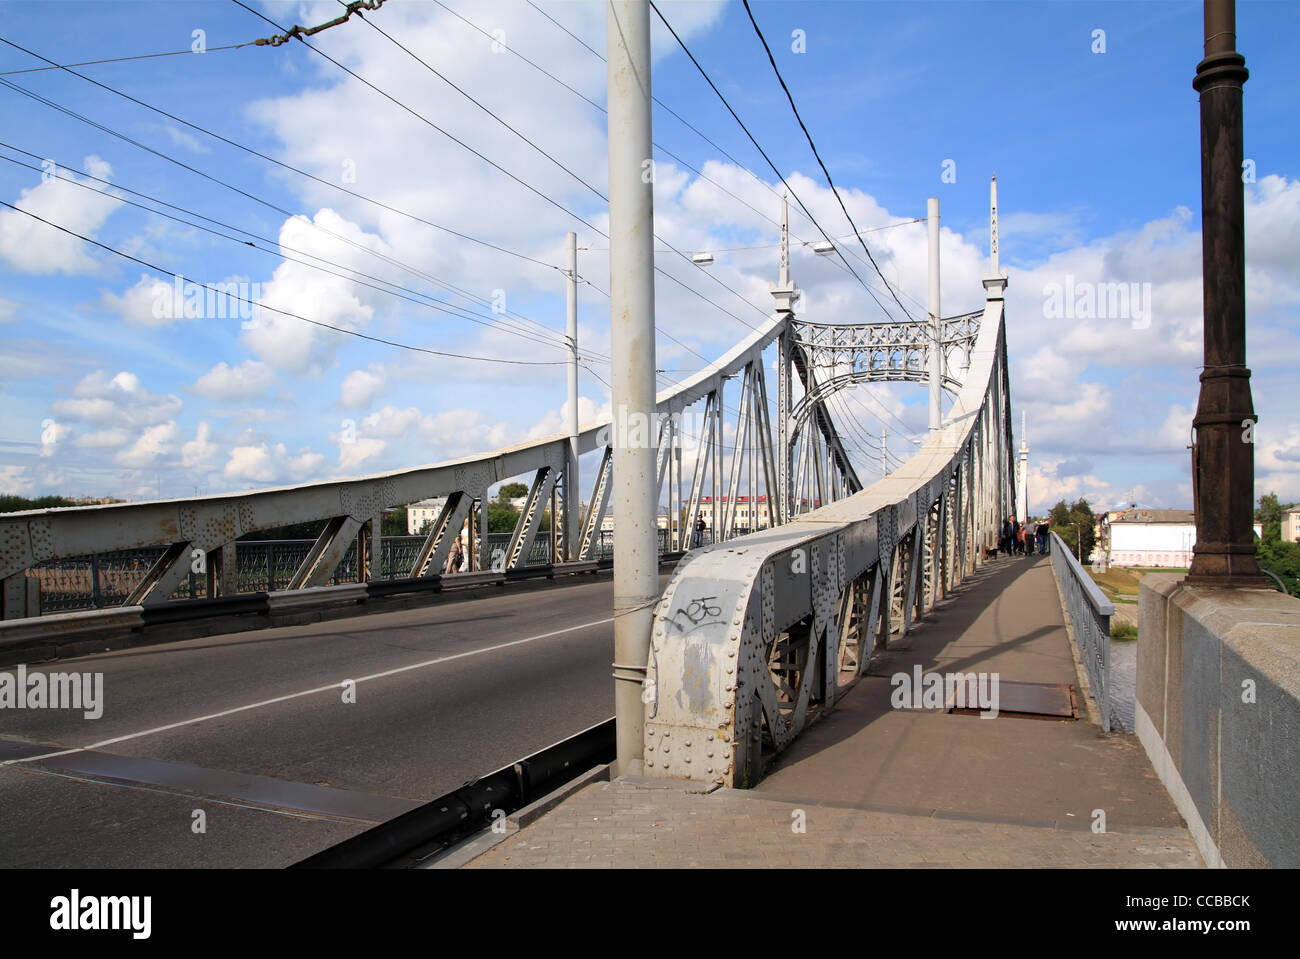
{"type": "Point", "coordinates": [239, 146]}
{"type": "Point", "coordinates": [440, 306]}
{"type": "Point", "coordinates": [425, 120]}
{"type": "Point", "coordinates": [424, 63]}
{"type": "Point", "coordinates": [272, 206]}
{"type": "Point", "coordinates": [762, 152]}
{"type": "Point", "coordinates": [338, 329]}
{"type": "Point", "coordinates": [142, 56]}
{"type": "Point", "coordinates": [531, 188]}
{"type": "Point", "coordinates": [808, 136]}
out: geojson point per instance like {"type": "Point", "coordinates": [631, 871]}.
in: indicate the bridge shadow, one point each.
{"type": "Point", "coordinates": [1004, 620]}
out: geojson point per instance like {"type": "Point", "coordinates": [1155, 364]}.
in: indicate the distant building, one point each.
{"type": "Point", "coordinates": [425, 511]}
{"type": "Point", "coordinates": [1150, 537]}
{"type": "Point", "coordinates": [1291, 525]}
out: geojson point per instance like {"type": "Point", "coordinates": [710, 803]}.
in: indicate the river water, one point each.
{"type": "Point", "coordinates": [1123, 681]}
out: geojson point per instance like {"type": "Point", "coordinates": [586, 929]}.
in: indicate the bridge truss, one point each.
{"type": "Point", "coordinates": [752, 638]}
{"type": "Point", "coordinates": [757, 630]}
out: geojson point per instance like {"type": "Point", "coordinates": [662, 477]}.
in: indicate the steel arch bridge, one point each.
{"type": "Point", "coordinates": [755, 632]}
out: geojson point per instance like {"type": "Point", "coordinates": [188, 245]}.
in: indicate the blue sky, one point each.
{"type": "Point", "coordinates": [1096, 153]}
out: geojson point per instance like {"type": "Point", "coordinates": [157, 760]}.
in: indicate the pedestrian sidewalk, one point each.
{"type": "Point", "coordinates": [871, 785]}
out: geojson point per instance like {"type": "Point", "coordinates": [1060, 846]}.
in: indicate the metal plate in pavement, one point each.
{"type": "Point", "coordinates": [1030, 701]}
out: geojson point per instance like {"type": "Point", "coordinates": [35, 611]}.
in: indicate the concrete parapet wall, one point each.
{"type": "Point", "coordinates": [1218, 711]}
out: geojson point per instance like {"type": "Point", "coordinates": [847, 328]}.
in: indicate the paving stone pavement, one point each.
{"type": "Point", "coordinates": [632, 823]}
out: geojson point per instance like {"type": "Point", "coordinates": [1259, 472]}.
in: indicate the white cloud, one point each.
{"type": "Point", "coordinates": [266, 464]}
{"type": "Point", "coordinates": [118, 401]}
{"type": "Point", "coordinates": [198, 452]}
{"type": "Point", "coordinates": [102, 439]}
{"type": "Point", "coordinates": [30, 246]}
{"type": "Point", "coordinates": [361, 387]}
{"type": "Point", "coordinates": [154, 444]}
{"type": "Point", "coordinates": [242, 382]}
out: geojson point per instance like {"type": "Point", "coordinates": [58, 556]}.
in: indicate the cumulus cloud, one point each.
{"type": "Point", "coordinates": [361, 387]}
{"type": "Point", "coordinates": [153, 444]}
{"type": "Point", "coordinates": [29, 246]}
{"type": "Point", "coordinates": [269, 463]}
{"type": "Point", "coordinates": [116, 401]}
{"type": "Point", "coordinates": [242, 382]}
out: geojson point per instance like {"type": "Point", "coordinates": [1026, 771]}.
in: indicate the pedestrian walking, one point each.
{"type": "Point", "coordinates": [455, 558]}
{"type": "Point", "coordinates": [1031, 534]}
{"type": "Point", "coordinates": [1044, 531]}
{"type": "Point", "coordinates": [700, 527]}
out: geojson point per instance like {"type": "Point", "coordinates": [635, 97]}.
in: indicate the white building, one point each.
{"type": "Point", "coordinates": [1151, 537]}
{"type": "Point", "coordinates": [1291, 525]}
{"type": "Point", "coordinates": [425, 511]}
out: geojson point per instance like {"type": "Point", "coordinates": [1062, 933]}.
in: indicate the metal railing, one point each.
{"type": "Point", "coordinates": [1090, 612]}
{"type": "Point", "coordinates": [102, 580]}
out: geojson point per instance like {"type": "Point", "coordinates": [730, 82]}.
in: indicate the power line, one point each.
{"type": "Point", "coordinates": [808, 135]}
{"type": "Point", "coordinates": [425, 120]}
{"type": "Point", "coordinates": [338, 329]}
{"type": "Point", "coordinates": [760, 150]}
{"type": "Point", "coordinates": [424, 63]}
{"type": "Point", "coordinates": [523, 183]}
{"type": "Point", "coordinates": [249, 150]}
{"type": "Point", "coordinates": [142, 56]}
{"type": "Point", "coordinates": [548, 156]}
{"type": "Point", "coordinates": [458, 312]}
{"type": "Point", "coordinates": [281, 210]}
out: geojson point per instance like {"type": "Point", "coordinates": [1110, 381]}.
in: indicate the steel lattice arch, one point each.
{"type": "Point", "coordinates": [751, 638]}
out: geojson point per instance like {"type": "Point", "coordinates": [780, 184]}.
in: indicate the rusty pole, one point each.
{"type": "Point", "coordinates": [1223, 462]}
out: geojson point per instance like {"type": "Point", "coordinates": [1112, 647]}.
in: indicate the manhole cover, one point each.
{"type": "Point", "coordinates": [1028, 701]}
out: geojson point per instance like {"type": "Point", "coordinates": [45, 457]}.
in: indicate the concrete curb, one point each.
{"type": "Point", "coordinates": [471, 848]}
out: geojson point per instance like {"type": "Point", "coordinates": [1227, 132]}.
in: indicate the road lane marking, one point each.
{"type": "Point", "coordinates": [308, 692]}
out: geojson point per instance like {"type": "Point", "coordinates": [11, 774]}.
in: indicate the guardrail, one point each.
{"type": "Point", "coordinates": [1090, 612]}
{"type": "Point", "coordinates": [104, 580]}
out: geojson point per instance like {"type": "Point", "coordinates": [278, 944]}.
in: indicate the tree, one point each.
{"type": "Point", "coordinates": [1060, 515]}
{"type": "Point", "coordinates": [1075, 525]}
{"type": "Point", "coordinates": [1282, 560]}
{"type": "Point", "coordinates": [1269, 515]}
{"type": "Point", "coordinates": [1082, 515]}
{"type": "Point", "coordinates": [394, 523]}
{"type": "Point", "coordinates": [501, 518]}
{"type": "Point", "coordinates": [511, 491]}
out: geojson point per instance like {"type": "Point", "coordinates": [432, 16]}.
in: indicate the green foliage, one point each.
{"type": "Point", "coordinates": [310, 530]}
{"type": "Point", "coordinates": [1282, 560]}
{"type": "Point", "coordinates": [1064, 520]}
{"type": "Point", "coordinates": [1122, 631]}
{"type": "Point", "coordinates": [1060, 514]}
{"type": "Point", "coordinates": [511, 491]}
{"type": "Point", "coordinates": [501, 518]}
{"type": "Point", "coordinates": [9, 503]}
{"type": "Point", "coordinates": [1269, 515]}
{"type": "Point", "coordinates": [394, 523]}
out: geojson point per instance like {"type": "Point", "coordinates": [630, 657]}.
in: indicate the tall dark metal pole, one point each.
{"type": "Point", "coordinates": [1223, 460]}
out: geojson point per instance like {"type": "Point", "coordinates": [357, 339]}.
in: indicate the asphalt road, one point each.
{"type": "Point", "coordinates": [255, 738]}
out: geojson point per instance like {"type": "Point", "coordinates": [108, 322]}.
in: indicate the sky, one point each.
{"type": "Point", "coordinates": [112, 385]}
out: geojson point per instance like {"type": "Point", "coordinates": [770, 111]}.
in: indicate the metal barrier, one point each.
{"type": "Point", "coordinates": [103, 580]}
{"type": "Point", "coordinates": [1090, 612]}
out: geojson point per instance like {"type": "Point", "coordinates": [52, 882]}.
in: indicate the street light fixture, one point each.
{"type": "Point", "coordinates": [823, 247]}
{"type": "Point", "coordinates": [702, 259]}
